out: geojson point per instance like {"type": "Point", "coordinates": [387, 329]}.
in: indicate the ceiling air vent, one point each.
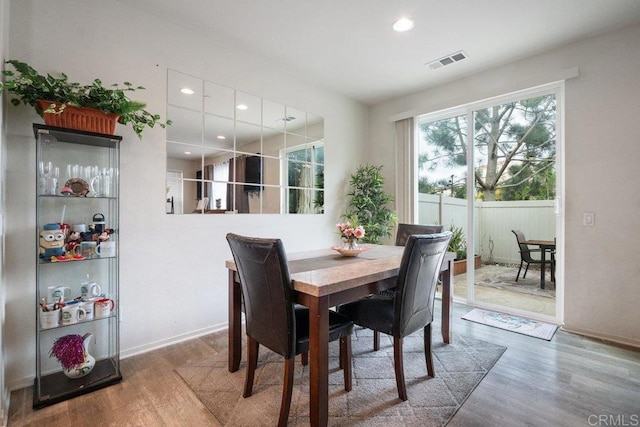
{"type": "Point", "coordinates": [446, 60]}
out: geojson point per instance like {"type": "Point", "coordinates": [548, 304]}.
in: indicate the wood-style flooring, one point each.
{"type": "Point", "coordinates": [569, 381]}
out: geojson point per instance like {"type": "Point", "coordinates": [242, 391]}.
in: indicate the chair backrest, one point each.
{"type": "Point", "coordinates": [525, 252]}
{"type": "Point", "coordinates": [406, 230]}
{"type": "Point", "coordinates": [417, 278]}
{"type": "Point", "coordinates": [267, 291]}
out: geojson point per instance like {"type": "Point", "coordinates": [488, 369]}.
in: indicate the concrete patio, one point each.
{"type": "Point", "coordinates": [496, 284]}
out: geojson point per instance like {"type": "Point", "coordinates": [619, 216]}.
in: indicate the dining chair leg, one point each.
{"type": "Point", "coordinates": [518, 275]}
{"type": "Point", "coordinates": [428, 355]}
{"type": "Point", "coordinates": [376, 340]}
{"type": "Point", "coordinates": [305, 358]}
{"type": "Point", "coordinates": [345, 361]}
{"type": "Point", "coordinates": [525, 271]}
{"type": "Point", "coordinates": [399, 368]}
{"type": "Point", "coordinates": [252, 363]}
{"type": "Point", "coordinates": [287, 391]}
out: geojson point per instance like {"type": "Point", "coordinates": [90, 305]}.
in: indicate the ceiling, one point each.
{"type": "Point", "coordinates": [349, 45]}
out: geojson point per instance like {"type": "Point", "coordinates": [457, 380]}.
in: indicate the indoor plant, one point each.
{"type": "Point", "coordinates": [53, 95]}
{"type": "Point", "coordinates": [369, 203]}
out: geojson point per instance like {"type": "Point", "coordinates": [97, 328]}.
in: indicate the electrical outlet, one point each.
{"type": "Point", "coordinates": [588, 219]}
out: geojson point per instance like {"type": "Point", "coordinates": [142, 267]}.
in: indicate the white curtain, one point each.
{"type": "Point", "coordinates": [219, 187]}
{"type": "Point", "coordinates": [405, 171]}
{"type": "Point", "coordinates": [305, 197]}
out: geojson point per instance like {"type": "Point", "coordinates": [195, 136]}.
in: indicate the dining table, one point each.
{"type": "Point", "coordinates": [323, 279]}
{"type": "Point", "coordinates": [544, 245]}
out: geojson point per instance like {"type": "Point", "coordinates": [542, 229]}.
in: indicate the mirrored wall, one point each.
{"type": "Point", "coordinates": [232, 152]}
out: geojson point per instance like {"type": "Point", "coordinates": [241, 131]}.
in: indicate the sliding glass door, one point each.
{"type": "Point", "coordinates": [506, 179]}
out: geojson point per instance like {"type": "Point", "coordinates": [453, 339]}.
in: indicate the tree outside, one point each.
{"type": "Point", "coordinates": [514, 152]}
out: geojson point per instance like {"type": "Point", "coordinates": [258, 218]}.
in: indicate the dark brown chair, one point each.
{"type": "Point", "coordinates": [411, 307]}
{"type": "Point", "coordinates": [525, 256]}
{"type": "Point", "coordinates": [402, 235]}
{"type": "Point", "coordinates": [272, 317]}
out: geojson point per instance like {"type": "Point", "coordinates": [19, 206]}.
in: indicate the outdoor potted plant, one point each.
{"type": "Point", "coordinates": [63, 103]}
{"type": "Point", "coordinates": [458, 244]}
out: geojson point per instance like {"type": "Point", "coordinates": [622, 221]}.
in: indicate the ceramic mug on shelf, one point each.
{"type": "Point", "coordinates": [72, 313]}
{"type": "Point", "coordinates": [106, 249]}
{"type": "Point", "coordinates": [88, 309]}
{"type": "Point", "coordinates": [55, 292]}
{"type": "Point", "coordinates": [88, 249]}
{"type": "Point", "coordinates": [103, 307]}
{"type": "Point", "coordinates": [90, 289]}
{"type": "Point", "coordinates": [49, 319]}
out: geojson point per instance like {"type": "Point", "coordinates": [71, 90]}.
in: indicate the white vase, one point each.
{"type": "Point", "coordinates": [85, 367]}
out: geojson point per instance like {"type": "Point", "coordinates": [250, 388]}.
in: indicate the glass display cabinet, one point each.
{"type": "Point", "coordinates": [77, 286]}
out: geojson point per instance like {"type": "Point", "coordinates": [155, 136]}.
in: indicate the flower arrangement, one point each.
{"type": "Point", "coordinates": [350, 232]}
{"type": "Point", "coordinates": [69, 350]}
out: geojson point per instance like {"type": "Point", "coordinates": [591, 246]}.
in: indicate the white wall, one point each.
{"type": "Point", "coordinates": [173, 282]}
{"type": "Point", "coordinates": [602, 149]}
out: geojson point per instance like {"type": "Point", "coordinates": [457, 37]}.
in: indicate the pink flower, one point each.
{"type": "Point", "coordinates": [358, 232]}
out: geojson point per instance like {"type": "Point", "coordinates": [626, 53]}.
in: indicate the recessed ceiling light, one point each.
{"type": "Point", "coordinates": [187, 152]}
{"type": "Point", "coordinates": [242, 107]}
{"type": "Point", "coordinates": [221, 137]}
{"type": "Point", "coordinates": [187, 91]}
{"type": "Point", "coordinates": [403, 24]}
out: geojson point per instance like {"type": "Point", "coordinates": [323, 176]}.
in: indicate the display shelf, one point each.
{"type": "Point", "coordinates": [95, 159]}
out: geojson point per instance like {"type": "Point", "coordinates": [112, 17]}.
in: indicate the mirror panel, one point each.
{"type": "Point", "coordinates": [264, 157]}
{"type": "Point", "coordinates": [248, 108]}
{"type": "Point", "coordinates": [218, 132]}
{"type": "Point", "coordinates": [273, 115]}
{"type": "Point", "coordinates": [219, 100]}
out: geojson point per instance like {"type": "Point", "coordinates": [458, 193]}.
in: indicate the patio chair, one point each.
{"type": "Point", "coordinates": [525, 256]}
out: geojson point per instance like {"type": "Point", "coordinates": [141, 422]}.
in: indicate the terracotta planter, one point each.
{"type": "Point", "coordinates": [80, 118]}
{"type": "Point", "coordinates": [460, 267]}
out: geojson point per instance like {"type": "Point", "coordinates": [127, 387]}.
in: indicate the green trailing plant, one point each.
{"type": "Point", "coordinates": [30, 86]}
{"type": "Point", "coordinates": [458, 242]}
{"type": "Point", "coordinates": [369, 203]}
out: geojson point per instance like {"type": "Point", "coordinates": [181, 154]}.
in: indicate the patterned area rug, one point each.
{"type": "Point", "coordinates": [373, 401]}
{"type": "Point", "coordinates": [518, 324]}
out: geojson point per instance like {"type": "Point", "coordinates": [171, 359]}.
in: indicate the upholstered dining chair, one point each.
{"type": "Point", "coordinates": [525, 256]}
{"type": "Point", "coordinates": [272, 317]}
{"type": "Point", "coordinates": [402, 235]}
{"type": "Point", "coordinates": [411, 307]}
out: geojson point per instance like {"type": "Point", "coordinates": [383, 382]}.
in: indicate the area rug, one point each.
{"type": "Point", "coordinates": [373, 401]}
{"type": "Point", "coordinates": [518, 324]}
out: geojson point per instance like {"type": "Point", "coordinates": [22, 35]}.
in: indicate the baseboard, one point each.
{"type": "Point", "coordinates": [627, 342]}
{"type": "Point", "coordinates": [134, 351]}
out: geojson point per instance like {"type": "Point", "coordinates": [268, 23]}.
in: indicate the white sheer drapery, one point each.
{"type": "Point", "coordinates": [405, 171]}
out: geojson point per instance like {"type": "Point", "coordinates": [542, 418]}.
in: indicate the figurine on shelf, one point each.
{"type": "Point", "coordinates": [73, 241]}
{"type": "Point", "coordinates": [104, 235]}
{"type": "Point", "coordinates": [51, 241]}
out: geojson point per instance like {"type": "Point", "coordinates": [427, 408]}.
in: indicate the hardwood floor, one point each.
{"type": "Point", "coordinates": [570, 381]}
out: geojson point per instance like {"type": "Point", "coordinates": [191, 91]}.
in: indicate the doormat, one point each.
{"type": "Point", "coordinates": [521, 325]}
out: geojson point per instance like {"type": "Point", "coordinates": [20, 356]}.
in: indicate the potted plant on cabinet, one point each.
{"type": "Point", "coordinates": [458, 244]}
{"type": "Point", "coordinates": [369, 203]}
{"type": "Point", "coordinates": [58, 101]}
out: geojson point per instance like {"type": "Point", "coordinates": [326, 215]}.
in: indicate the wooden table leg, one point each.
{"type": "Point", "coordinates": [235, 323]}
{"type": "Point", "coordinates": [447, 300]}
{"type": "Point", "coordinates": [319, 361]}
